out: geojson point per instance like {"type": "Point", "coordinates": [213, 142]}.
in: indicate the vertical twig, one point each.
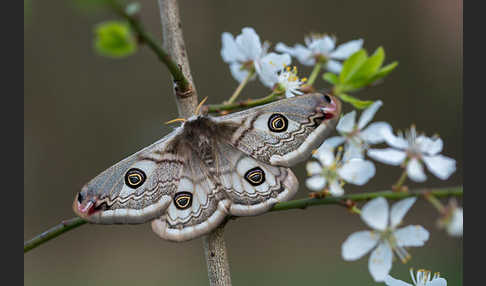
{"type": "Point", "coordinates": [216, 257]}
{"type": "Point", "coordinates": [173, 42]}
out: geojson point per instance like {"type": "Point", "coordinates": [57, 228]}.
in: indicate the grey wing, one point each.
{"type": "Point", "coordinates": [252, 186]}
{"type": "Point", "coordinates": [210, 193]}
{"type": "Point", "coordinates": [285, 132]}
{"type": "Point", "coordinates": [136, 189]}
{"type": "Point", "coordinates": [198, 207]}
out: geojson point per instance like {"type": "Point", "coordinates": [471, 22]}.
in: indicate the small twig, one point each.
{"type": "Point", "coordinates": [145, 38]}
{"type": "Point", "coordinates": [295, 204]}
{"type": "Point", "coordinates": [173, 41]}
{"type": "Point", "coordinates": [186, 104]}
{"type": "Point", "coordinates": [391, 195]}
{"type": "Point", "coordinates": [214, 108]}
{"type": "Point", "coordinates": [216, 257]}
{"type": "Point", "coordinates": [53, 232]}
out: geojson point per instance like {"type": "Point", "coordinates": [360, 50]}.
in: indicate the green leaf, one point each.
{"type": "Point", "coordinates": [369, 68]}
{"type": "Point", "coordinates": [359, 104]}
{"type": "Point", "coordinates": [352, 64]}
{"type": "Point", "coordinates": [384, 71]}
{"type": "Point", "coordinates": [331, 78]}
{"type": "Point", "coordinates": [114, 39]}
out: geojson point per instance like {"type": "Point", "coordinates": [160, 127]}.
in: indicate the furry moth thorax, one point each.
{"type": "Point", "coordinates": [211, 167]}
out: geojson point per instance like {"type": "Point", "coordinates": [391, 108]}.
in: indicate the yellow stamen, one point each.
{"type": "Point", "coordinates": [200, 105]}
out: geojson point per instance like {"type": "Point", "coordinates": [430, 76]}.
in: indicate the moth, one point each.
{"type": "Point", "coordinates": [209, 168]}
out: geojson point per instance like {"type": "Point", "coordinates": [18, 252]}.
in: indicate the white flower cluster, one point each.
{"type": "Point", "coordinates": [246, 56]}
{"type": "Point", "coordinates": [322, 49]}
{"type": "Point", "coordinates": [342, 159]}
{"type": "Point", "coordinates": [329, 173]}
{"type": "Point", "coordinates": [411, 150]}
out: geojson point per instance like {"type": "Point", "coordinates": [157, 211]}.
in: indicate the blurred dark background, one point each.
{"type": "Point", "coordinates": [84, 112]}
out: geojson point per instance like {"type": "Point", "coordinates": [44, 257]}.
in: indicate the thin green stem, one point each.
{"type": "Point", "coordinates": [308, 202]}
{"type": "Point", "coordinates": [53, 232]}
{"type": "Point", "coordinates": [314, 73]}
{"type": "Point", "coordinates": [401, 180]}
{"type": "Point", "coordinates": [295, 204]}
{"type": "Point", "coordinates": [248, 103]}
{"type": "Point", "coordinates": [355, 210]}
{"type": "Point", "coordinates": [435, 202]}
{"type": "Point", "coordinates": [241, 86]}
{"type": "Point", "coordinates": [145, 38]}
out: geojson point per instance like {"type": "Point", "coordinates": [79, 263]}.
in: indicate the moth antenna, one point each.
{"type": "Point", "coordinates": [198, 108]}
{"type": "Point", "coordinates": [176, 120]}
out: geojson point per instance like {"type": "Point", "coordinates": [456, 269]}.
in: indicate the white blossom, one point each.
{"type": "Point", "coordinates": [385, 238]}
{"type": "Point", "coordinates": [242, 52]}
{"type": "Point", "coordinates": [423, 278]}
{"type": "Point", "coordinates": [454, 227]}
{"type": "Point", "coordinates": [321, 48]}
{"type": "Point", "coordinates": [452, 220]}
{"type": "Point", "coordinates": [270, 66]}
{"type": "Point", "coordinates": [246, 54]}
{"type": "Point", "coordinates": [290, 82]}
{"type": "Point", "coordinates": [356, 137]}
{"type": "Point", "coordinates": [415, 150]}
{"type": "Point", "coordinates": [330, 171]}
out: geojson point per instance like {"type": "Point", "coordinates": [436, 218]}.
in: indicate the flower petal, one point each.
{"type": "Point", "coordinates": [373, 134]}
{"type": "Point", "coordinates": [346, 123]}
{"type": "Point", "coordinates": [358, 244]}
{"type": "Point", "coordinates": [345, 50]}
{"type": "Point", "coordinates": [283, 48]}
{"type": "Point", "coordinates": [437, 282]}
{"type": "Point", "coordinates": [440, 165]}
{"type": "Point", "coordinates": [229, 50]}
{"type": "Point", "coordinates": [369, 113]}
{"type": "Point", "coordinates": [394, 141]}
{"type": "Point", "coordinates": [313, 168]}
{"type": "Point", "coordinates": [269, 66]}
{"type": "Point", "coordinates": [380, 262]}
{"type": "Point", "coordinates": [303, 54]}
{"type": "Point", "coordinates": [455, 225]}
{"type": "Point", "coordinates": [399, 210]}
{"type": "Point", "coordinates": [325, 156]}
{"type": "Point", "coordinates": [237, 72]}
{"type": "Point", "coordinates": [249, 43]}
{"type": "Point", "coordinates": [353, 150]}
{"type": "Point", "coordinates": [315, 183]}
{"type": "Point", "coordinates": [322, 45]}
{"type": "Point", "coordinates": [388, 156]}
{"type": "Point", "coordinates": [375, 213]}
{"type": "Point", "coordinates": [335, 189]}
{"type": "Point", "coordinates": [430, 146]}
{"type": "Point", "coordinates": [390, 281]}
{"type": "Point", "coordinates": [334, 66]}
{"type": "Point", "coordinates": [415, 170]}
{"type": "Point", "coordinates": [332, 142]}
{"type": "Point", "coordinates": [357, 171]}
{"type": "Point", "coordinates": [412, 235]}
